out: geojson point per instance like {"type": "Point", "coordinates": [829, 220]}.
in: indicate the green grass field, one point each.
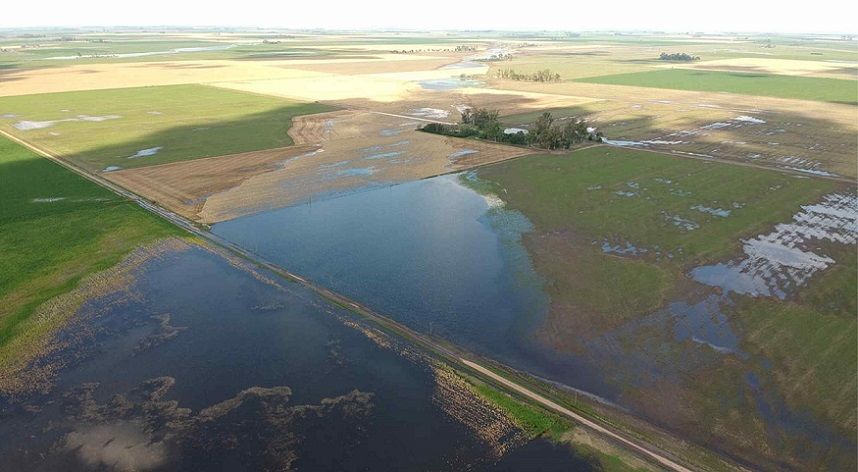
{"type": "Point", "coordinates": [634, 199]}
{"type": "Point", "coordinates": [184, 121]}
{"type": "Point", "coordinates": [623, 196]}
{"type": "Point", "coordinates": [811, 340]}
{"type": "Point", "coordinates": [49, 245]}
{"type": "Point", "coordinates": [783, 86]}
{"type": "Point", "coordinates": [580, 189]}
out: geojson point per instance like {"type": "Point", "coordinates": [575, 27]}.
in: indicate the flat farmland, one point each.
{"type": "Point", "coordinates": [336, 152]}
{"type": "Point", "coordinates": [626, 241]}
{"type": "Point", "coordinates": [814, 137]}
{"type": "Point", "coordinates": [746, 83]}
{"type": "Point", "coordinates": [126, 128]}
{"type": "Point", "coordinates": [73, 76]}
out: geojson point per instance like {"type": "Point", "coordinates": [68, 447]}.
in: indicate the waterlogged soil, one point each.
{"type": "Point", "coordinates": [204, 364]}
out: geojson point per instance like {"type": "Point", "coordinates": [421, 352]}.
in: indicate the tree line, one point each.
{"type": "Point", "coordinates": [678, 56]}
{"type": "Point", "coordinates": [545, 133]}
{"type": "Point", "coordinates": [544, 75]}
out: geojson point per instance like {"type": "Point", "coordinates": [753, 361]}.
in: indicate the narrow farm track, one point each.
{"type": "Point", "coordinates": [440, 350]}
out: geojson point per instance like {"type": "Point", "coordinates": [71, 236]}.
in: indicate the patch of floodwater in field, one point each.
{"type": "Point", "coordinates": [48, 199]}
{"type": "Point", "coordinates": [705, 324]}
{"type": "Point", "coordinates": [146, 152]}
{"type": "Point", "coordinates": [111, 168]}
{"type": "Point", "coordinates": [384, 155]}
{"type": "Point", "coordinates": [622, 249]}
{"type": "Point", "coordinates": [433, 254]}
{"type": "Point", "coordinates": [143, 54]}
{"type": "Point", "coordinates": [356, 171]}
{"type": "Point", "coordinates": [26, 125]}
{"type": "Point", "coordinates": [452, 83]}
{"type": "Point", "coordinates": [200, 365]}
{"type": "Point", "coordinates": [462, 153]}
{"type": "Point", "coordinates": [669, 344]}
{"type": "Point", "coordinates": [685, 224]}
{"type": "Point", "coordinates": [822, 173]}
{"type": "Point", "coordinates": [720, 212]}
{"type": "Point", "coordinates": [777, 262]}
{"type": "Point", "coordinates": [749, 119]}
{"type": "Point", "coordinates": [644, 143]}
{"type": "Point", "coordinates": [432, 113]}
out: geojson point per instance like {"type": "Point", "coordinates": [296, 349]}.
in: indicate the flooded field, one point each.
{"type": "Point", "coordinates": [202, 363]}
{"type": "Point", "coordinates": [455, 262]}
{"type": "Point", "coordinates": [433, 254]}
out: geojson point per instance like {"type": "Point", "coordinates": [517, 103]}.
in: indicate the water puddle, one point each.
{"type": "Point", "coordinates": [356, 171]}
{"type": "Point", "coordinates": [146, 152]}
{"type": "Point", "coordinates": [720, 212]}
{"type": "Point", "coordinates": [462, 152]}
{"type": "Point", "coordinates": [622, 249]}
{"type": "Point", "coordinates": [26, 125]}
{"type": "Point", "coordinates": [432, 113]}
{"type": "Point", "coordinates": [684, 224]}
{"type": "Point", "coordinates": [449, 84]}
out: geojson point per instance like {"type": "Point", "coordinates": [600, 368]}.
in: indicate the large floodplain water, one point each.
{"type": "Point", "coordinates": [433, 254]}
{"type": "Point", "coordinates": [201, 365]}
{"type": "Point", "coordinates": [447, 260]}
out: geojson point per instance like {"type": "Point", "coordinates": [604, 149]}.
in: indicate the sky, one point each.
{"type": "Point", "coordinates": [819, 16]}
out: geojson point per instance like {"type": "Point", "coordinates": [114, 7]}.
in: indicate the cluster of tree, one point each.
{"type": "Point", "coordinates": [678, 56]}
{"type": "Point", "coordinates": [465, 48]}
{"type": "Point", "coordinates": [545, 133]}
{"type": "Point", "coordinates": [412, 51]}
{"type": "Point", "coordinates": [539, 76]}
{"type": "Point", "coordinates": [548, 135]}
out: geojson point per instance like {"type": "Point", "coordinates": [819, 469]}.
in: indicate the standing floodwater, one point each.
{"type": "Point", "coordinates": [433, 254]}
{"type": "Point", "coordinates": [200, 365]}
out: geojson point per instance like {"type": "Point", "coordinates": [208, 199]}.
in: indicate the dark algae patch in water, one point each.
{"type": "Point", "coordinates": [203, 363]}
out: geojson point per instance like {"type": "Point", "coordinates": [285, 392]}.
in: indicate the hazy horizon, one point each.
{"type": "Point", "coordinates": [668, 16]}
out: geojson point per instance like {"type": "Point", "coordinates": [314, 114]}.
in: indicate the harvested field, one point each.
{"type": "Point", "coordinates": [338, 152]}
{"type": "Point", "coordinates": [386, 87]}
{"type": "Point", "coordinates": [139, 74]}
{"type": "Point", "coordinates": [183, 187]}
{"type": "Point", "coordinates": [135, 127]}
